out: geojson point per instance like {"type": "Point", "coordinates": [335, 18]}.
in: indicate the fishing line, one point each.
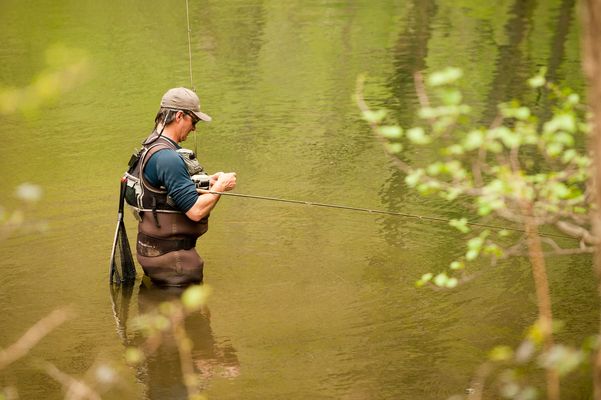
{"type": "Point", "coordinates": [190, 67]}
{"type": "Point", "coordinates": [373, 211]}
{"type": "Point", "coordinates": [189, 47]}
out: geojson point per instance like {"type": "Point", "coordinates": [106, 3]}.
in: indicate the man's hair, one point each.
{"type": "Point", "coordinates": [165, 116]}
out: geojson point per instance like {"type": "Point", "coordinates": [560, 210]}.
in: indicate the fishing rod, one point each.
{"type": "Point", "coordinates": [373, 211]}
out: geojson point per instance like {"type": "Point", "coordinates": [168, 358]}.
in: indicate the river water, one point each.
{"type": "Point", "coordinates": [306, 302]}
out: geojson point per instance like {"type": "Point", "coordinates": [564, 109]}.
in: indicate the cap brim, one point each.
{"type": "Point", "coordinates": [202, 116]}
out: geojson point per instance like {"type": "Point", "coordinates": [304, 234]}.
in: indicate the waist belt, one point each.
{"type": "Point", "coordinates": [152, 247]}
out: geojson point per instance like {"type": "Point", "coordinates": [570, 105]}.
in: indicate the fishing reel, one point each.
{"type": "Point", "coordinates": [201, 181]}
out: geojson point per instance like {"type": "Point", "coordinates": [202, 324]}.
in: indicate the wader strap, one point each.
{"type": "Point", "coordinates": [154, 212]}
{"type": "Point", "coordinates": [152, 247]}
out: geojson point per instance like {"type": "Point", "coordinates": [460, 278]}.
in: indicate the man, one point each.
{"type": "Point", "coordinates": [173, 214]}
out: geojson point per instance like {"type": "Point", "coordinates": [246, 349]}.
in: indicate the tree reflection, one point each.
{"type": "Point", "coordinates": [175, 358]}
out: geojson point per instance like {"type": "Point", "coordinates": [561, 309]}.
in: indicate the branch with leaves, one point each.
{"type": "Point", "coordinates": [519, 159]}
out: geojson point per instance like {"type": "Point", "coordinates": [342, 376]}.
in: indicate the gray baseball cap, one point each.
{"type": "Point", "coordinates": [182, 98]}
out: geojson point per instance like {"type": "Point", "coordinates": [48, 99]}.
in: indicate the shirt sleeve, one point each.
{"type": "Point", "coordinates": [169, 170]}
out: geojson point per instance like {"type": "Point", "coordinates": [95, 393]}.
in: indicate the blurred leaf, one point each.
{"type": "Point", "coordinates": [451, 96]}
{"type": "Point", "coordinates": [29, 192]}
{"type": "Point", "coordinates": [563, 359]}
{"type": "Point", "coordinates": [374, 117]}
{"type": "Point", "coordinates": [456, 265]}
{"type": "Point", "coordinates": [452, 283]}
{"type": "Point", "coordinates": [460, 224]}
{"type": "Point", "coordinates": [414, 177]}
{"type": "Point", "coordinates": [444, 77]}
{"type": "Point", "coordinates": [441, 279]}
{"type": "Point", "coordinates": [391, 131]}
{"type": "Point", "coordinates": [536, 81]}
{"type": "Point", "coordinates": [424, 279]}
{"type": "Point", "coordinates": [473, 140]}
{"type": "Point", "coordinates": [195, 297]}
{"type": "Point", "coordinates": [501, 353]}
{"type": "Point", "coordinates": [418, 136]}
{"type": "Point", "coordinates": [67, 68]}
{"type": "Point", "coordinates": [394, 148]}
{"type": "Point", "coordinates": [539, 79]}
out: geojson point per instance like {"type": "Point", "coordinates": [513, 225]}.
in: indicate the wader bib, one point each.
{"type": "Point", "coordinates": [166, 236]}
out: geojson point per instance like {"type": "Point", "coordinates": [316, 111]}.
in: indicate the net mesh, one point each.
{"type": "Point", "coordinates": [123, 269]}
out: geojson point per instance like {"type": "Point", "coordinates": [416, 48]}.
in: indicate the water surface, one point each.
{"type": "Point", "coordinates": [306, 302]}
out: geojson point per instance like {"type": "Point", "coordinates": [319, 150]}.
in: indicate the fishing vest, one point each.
{"type": "Point", "coordinates": [162, 227]}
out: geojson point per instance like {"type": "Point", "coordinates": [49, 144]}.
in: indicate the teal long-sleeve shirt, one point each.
{"type": "Point", "coordinates": [166, 168]}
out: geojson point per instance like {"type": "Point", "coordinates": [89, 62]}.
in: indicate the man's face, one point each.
{"type": "Point", "coordinates": [187, 123]}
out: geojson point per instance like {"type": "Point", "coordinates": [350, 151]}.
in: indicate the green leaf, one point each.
{"type": "Point", "coordinates": [391, 131]}
{"type": "Point", "coordinates": [536, 81]}
{"type": "Point", "coordinates": [414, 177]}
{"type": "Point", "coordinates": [561, 122]}
{"type": "Point", "coordinates": [522, 113]}
{"type": "Point", "coordinates": [456, 265]}
{"type": "Point", "coordinates": [133, 356]}
{"type": "Point", "coordinates": [427, 113]}
{"type": "Point", "coordinates": [424, 279]}
{"type": "Point", "coordinates": [454, 150]}
{"type": "Point", "coordinates": [460, 224]}
{"type": "Point", "coordinates": [451, 283]}
{"type": "Point", "coordinates": [501, 353]}
{"type": "Point", "coordinates": [475, 243]}
{"type": "Point", "coordinates": [473, 140]}
{"type": "Point", "coordinates": [494, 147]}
{"type": "Point", "coordinates": [562, 359]}
{"type": "Point", "coordinates": [471, 255]}
{"type": "Point", "coordinates": [503, 233]}
{"type": "Point", "coordinates": [452, 193]}
{"type": "Point", "coordinates": [435, 169]}
{"type": "Point", "coordinates": [194, 297]}
{"type": "Point", "coordinates": [428, 188]}
{"type": "Point", "coordinates": [374, 117]}
{"type": "Point", "coordinates": [427, 276]}
{"type": "Point", "coordinates": [509, 138]}
{"type": "Point", "coordinates": [394, 148]}
{"type": "Point", "coordinates": [554, 149]}
{"type": "Point", "coordinates": [417, 135]}
{"type": "Point", "coordinates": [493, 249]}
{"type": "Point", "coordinates": [444, 77]}
{"type": "Point", "coordinates": [569, 155]}
{"type": "Point", "coordinates": [539, 79]}
{"type": "Point", "coordinates": [441, 279]}
{"type": "Point", "coordinates": [451, 96]}
{"type": "Point", "coordinates": [559, 190]}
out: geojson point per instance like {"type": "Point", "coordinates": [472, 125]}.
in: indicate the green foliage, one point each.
{"type": "Point", "coordinates": [520, 159]}
{"type": "Point", "coordinates": [66, 68]}
{"type": "Point", "coordinates": [526, 168]}
{"type": "Point", "coordinates": [516, 365]}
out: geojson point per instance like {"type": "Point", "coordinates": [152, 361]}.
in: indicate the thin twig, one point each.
{"type": "Point", "coordinates": [76, 389]}
{"type": "Point", "coordinates": [33, 335]}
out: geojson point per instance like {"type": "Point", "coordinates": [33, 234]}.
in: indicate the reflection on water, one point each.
{"type": "Point", "coordinates": [165, 359]}
{"type": "Point", "coordinates": [319, 303]}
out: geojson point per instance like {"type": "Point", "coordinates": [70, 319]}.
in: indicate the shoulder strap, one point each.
{"type": "Point", "coordinates": [145, 157]}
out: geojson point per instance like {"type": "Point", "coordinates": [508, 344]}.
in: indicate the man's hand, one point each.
{"type": "Point", "coordinates": [213, 178]}
{"type": "Point", "coordinates": [226, 181]}
{"type": "Point", "coordinates": [218, 182]}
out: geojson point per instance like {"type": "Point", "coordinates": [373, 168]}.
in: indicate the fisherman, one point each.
{"type": "Point", "coordinates": [172, 212]}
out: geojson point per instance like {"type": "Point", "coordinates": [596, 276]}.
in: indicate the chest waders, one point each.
{"type": "Point", "coordinates": [166, 236]}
